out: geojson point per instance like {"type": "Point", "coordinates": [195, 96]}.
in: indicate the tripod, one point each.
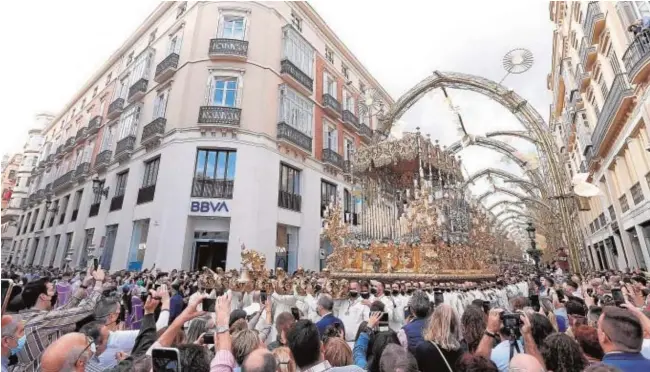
{"type": "Point", "coordinates": [514, 345]}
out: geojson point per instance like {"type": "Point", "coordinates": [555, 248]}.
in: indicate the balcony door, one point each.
{"type": "Point", "coordinates": [107, 253]}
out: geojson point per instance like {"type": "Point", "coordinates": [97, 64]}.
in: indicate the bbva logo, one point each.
{"type": "Point", "coordinates": [207, 206]}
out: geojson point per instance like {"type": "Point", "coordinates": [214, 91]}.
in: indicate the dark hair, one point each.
{"type": "Point", "coordinates": [519, 302]}
{"type": "Point", "coordinates": [93, 330]}
{"type": "Point", "coordinates": [474, 363]}
{"type": "Point", "coordinates": [268, 364]}
{"type": "Point", "coordinates": [575, 308]}
{"type": "Point", "coordinates": [32, 290]}
{"type": "Point", "coordinates": [562, 354]}
{"type": "Point", "coordinates": [332, 330]}
{"type": "Point", "coordinates": [194, 357]}
{"type": "Point", "coordinates": [283, 321]}
{"type": "Point", "coordinates": [473, 325]}
{"type": "Point", "coordinates": [380, 341]}
{"type": "Point", "coordinates": [235, 315]}
{"type": "Point", "coordinates": [304, 342]}
{"type": "Point", "coordinates": [641, 280]}
{"type": "Point", "coordinates": [478, 303]}
{"type": "Point", "coordinates": [377, 306]}
{"type": "Point", "coordinates": [587, 338]}
{"type": "Point", "coordinates": [622, 328]}
{"type": "Point", "coordinates": [541, 327]}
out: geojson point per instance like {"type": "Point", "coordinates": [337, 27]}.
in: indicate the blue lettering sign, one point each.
{"type": "Point", "coordinates": [208, 206]}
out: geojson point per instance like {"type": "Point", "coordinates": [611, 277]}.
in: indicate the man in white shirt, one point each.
{"type": "Point", "coordinates": [391, 307]}
{"type": "Point", "coordinates": [351, 311]}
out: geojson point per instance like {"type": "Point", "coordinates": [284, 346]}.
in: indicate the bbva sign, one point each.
{"type": "Point", "coordinates": [209, 207]}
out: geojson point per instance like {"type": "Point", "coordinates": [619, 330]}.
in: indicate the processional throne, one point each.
{"type": "Point", "coordinates": [415, 221]}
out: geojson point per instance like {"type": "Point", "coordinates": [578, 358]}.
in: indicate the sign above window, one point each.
{"type": "Point", "coordinates": [210, 207]}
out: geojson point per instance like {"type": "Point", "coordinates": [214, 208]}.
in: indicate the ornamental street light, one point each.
{"type": "Point", "coordinates": [533, 251]}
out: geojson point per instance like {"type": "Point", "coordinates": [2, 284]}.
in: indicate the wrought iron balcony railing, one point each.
{"type": "Point", "coordinates": [48, 189]}
{"type": "Point", "coordinates": [95, 123]}
{"type": "Point", "coordinates": [138, 89]}
{"type": "Point", "coordinates": [593, 15]}
{"type": "Point", "coordinates": [293, 135]}
{"type": "Point", "coordinates": [222, 115]}
{"type": "Point", "coordinates": [619, 91]}
{"type": "Point", "coordinates": [580, 75]}
{"type": "Point", "coordinates": [365, 131]}
{"type": "Point", "coordinates": [82, 171]}
{"type": "Point", "coordinates": [82, 133]}
{"type": "Point", "coordinates": [287, 67]}
{"type": "Point", "coordinates": [637, 55]}
{"type": "Point", "coordinates": [350, 118]}
{"type": "Point", "coordinates": [124, 147]}
{"type": "Point", "coordinates": [647, 179]}
{"type": "Point", "coordinates": [585, 50]}
{"type": "Point", "coordinates": [116, 203]}
{"type": "Point", "coordinates": [94, 210]}
{"type": "Point", "coordinates": [289, 200]}
{"type": "Point", "coordinates": [146, 194]}
{"type": "Point", "coordinates": [212, 188]}
{"type": "Point", "coordinates": [637, 193]}
{"type": "Point", "coordinates": [228, 47]}
{"type": "Point", "coordinates": [166, 68]}
{"type": "Point", "coordinates": [153, 131]}
{"type": "Point", "coordinates": [331, 105]}
{"type": "Point", "coordinates": [330, 156]}
{"type": "Point", "coordinates": [103, 159]}
{"type": "Point", "coordinates": [69, 143]}
{"type": "Point", "coordinates": [63, 181]}
{"type": "Point", "coordinates": [115, 108]}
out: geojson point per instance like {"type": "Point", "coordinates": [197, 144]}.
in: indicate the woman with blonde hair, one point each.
{"type": "Point", "coordinates": [441, 347]}
{"type": "Point", "coordinates": [284, 360]}
{"type": "Point", "coordinates": [338, 352]}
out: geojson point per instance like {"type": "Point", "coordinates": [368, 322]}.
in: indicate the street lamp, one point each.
{"type": "Point", "coordinates": [533, 251]}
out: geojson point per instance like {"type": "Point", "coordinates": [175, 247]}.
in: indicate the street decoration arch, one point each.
{"type": "Point", "coordinates": [528, 186]}
{"type": "Point", "coordinates": [512, 133]}
{"type": "Point", "coordinates": [509, 202]}
{"type": "Point", "coordinates": [529, 118]}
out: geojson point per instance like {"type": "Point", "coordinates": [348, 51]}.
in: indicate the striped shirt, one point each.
{"type": "Point", "coordinates": [45, 327]}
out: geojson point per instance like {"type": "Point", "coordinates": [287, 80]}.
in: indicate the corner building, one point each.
{"type": "Point", "coordinates": [215, 125]}
{"type": "Point", "coordinates": [600, 114]}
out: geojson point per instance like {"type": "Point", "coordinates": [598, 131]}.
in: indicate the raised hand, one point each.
{"type": "Point", "coordinates": [373, 320]}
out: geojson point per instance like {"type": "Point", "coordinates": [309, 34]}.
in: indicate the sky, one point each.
{"type": "Point", "coordinates": [54, 50]}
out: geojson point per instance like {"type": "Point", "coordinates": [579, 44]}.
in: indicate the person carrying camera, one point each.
{"type": "Point", "coordinates": [506, 328]}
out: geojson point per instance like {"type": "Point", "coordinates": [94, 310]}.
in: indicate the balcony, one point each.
{"type": "Point", "coordinates": [166, 68]}
{"type": "Point", "coordinates": [594, 22]}
{"type": "Point", "coordinates": [152, 133]}
{"type": "Point", "coordinates": [289, 200]}
{"type": "Point", "coordinates": [40, 195]}
{"type": "Point", "coordinates": [331, 105]}
{"type": "Point", "coordinates": [116, 203]}
{"type": "Point", "coordinates": [114, 109]}
{"type": "Point", "coordinates": [637, 58]}
{"type": "Point", "coordinates": [219, 115]}
{"type": "Point", "coordinates": [587, 54]}
{"type": "Point", "coordinates": [103, 160]}
{"type": "Point", "coordinates": [296, 77]}
{"type": "Point", "coordinates": [49, 161]}
{"type": "Point", "coordinates": [212, 188]}
{"type": "Point", "coordinates": [637, 193]}
{"type": "Point", "coordinates": [293, 136]}
{"type": "Point", "coordinates": [59, 152]}
{"type": "Point", "coordinates": [63, 182]}
{"type": "Point", "coordinates": [24, 203]}
{"type": "Point", "coordinates": [146, 194]}
{"type": "Point", "coordinates": [48, 189]}
{"type": "Point", "coordinates": [95, 123]}
{"type": "Point", "coordinates": [81, 135]}
{"type": "Point", "coordinates": [614, 110]}
{"type": "Point", "coordinates": [331, 157]}
{"type": "Point", "coordinates": [228, 49]}
{"type": "Point", "coordinates": [124, 148]}
{"type": "Point", "coordinates": [69, 144]}
{"type": "Point", "coordinates": [351, 119]}
{"type": "Point", "coordinates": [82, 171]}
{"type": "Point", "coordinates": [94, 210]}
{"type": "Point", "coordinates": [365, 132]}
{"type": "Point", "coordinates": [138, 90]}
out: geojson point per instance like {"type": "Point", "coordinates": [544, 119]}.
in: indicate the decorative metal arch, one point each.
{"type": "Point", "coordinates": [503, 174]}
{"type": "Point", "coordinates": [512, 193]}
{"type": "Point", "coordinates": [513, 133]}
{"type": "Point", "coordinates": [529, 118]}
{"type": "Point", "coordinates": [503, 148]}
{"type": "Point", "coordinates": [509, 202]}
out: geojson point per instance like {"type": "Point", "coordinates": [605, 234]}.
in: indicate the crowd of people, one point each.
{"type": "Point", "coordinates": [141, 321]}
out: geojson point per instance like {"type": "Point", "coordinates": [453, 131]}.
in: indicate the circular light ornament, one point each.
{"type": "Point", "coordinates": [518, 61]}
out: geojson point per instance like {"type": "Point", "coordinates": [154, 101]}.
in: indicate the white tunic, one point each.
{"type": "Point", "coordinates": [351, 313]}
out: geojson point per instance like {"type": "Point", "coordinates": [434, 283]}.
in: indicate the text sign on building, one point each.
{"type": "Point", "coordinates": [210, 207]}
